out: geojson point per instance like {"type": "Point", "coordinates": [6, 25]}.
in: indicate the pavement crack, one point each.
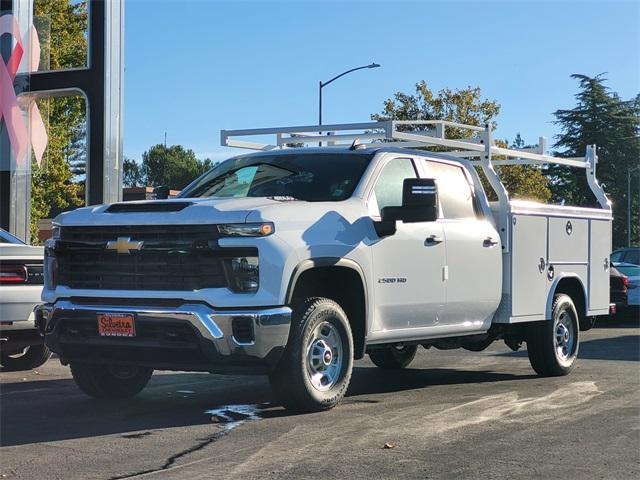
{"type": "Point", "coordinates": [231, 416]}
{"type": "Point", "coordinates": [170, 462]}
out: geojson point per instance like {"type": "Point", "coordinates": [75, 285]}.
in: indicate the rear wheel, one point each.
{"type": "Point", "coordinates": [110, 381]}
{"type": "Point", "coordinates": [315, 369]}
{"type": "Point", "coordinates": [31, 357]}
{"type": "Point", "coordinates": [393, 357]}
{"type": "Point", "coordinates": [552, 345]}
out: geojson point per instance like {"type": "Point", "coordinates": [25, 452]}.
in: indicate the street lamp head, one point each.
{"type": "Point", "coordinates": [373, 65]}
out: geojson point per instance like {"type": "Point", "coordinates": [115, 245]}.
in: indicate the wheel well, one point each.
{"type": "Point", "coordinates": [342, 285]}
{"type": "Point", "coordinates": [573, 287]}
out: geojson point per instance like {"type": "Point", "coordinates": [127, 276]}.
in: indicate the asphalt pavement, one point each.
{"type": "Point", "coordinates": [451, 414]}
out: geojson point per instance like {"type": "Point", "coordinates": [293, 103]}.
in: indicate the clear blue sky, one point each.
{"type": "Point", "coordinates": [195, 67]}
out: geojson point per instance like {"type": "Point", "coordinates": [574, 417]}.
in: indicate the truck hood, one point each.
{"type": "Point", "coordinates": [168, 212]}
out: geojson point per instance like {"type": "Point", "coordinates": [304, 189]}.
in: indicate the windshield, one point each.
{"type": "Point", "coordinates": [321, 177]}
{"type": "Point", "coordinates": [6, 237]}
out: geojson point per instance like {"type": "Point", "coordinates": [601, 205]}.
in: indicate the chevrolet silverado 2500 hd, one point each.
{"type": "Point", "coordinates": [293, 262]}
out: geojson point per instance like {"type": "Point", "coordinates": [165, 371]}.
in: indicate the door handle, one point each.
{"type": "Point", "coordinates": [433, 240]}
{"type": "Point", "coordinates": [489, 242]}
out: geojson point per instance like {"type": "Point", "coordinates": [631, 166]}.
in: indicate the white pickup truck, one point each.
{"type": "Point", "coordinates": [293, 262]}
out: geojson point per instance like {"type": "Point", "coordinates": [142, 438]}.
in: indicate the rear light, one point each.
{"type": "Point", "coordinates": [625, 282]}
{"type": "Point", "coordinates": [13, 274]}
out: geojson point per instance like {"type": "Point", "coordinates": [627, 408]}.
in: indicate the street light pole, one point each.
{"type": "Point", "coordinates": [320, 103]}
{"type": "Point", "coordinates": [321, 85]}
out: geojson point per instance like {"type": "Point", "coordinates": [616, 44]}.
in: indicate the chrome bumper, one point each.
{"type": "Point", "coordinates": [215, 328]}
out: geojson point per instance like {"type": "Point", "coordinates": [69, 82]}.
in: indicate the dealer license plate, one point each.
{"type": "Point", "coordinates": [116, 325]}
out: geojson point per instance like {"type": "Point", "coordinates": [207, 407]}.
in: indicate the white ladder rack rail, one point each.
{"type": "Point", "coordinates": [479, 147]}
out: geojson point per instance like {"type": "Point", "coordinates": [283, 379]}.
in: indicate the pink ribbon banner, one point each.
{"type": "Point", "coordinates": [20, 133]}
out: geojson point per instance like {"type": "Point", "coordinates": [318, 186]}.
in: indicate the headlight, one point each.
{"type": "Point", "coordinates": [243, 273]}
{"type": "Point", "coordinates": [50, 264]}
{"type": "Point", "coordinates": [246, 229]}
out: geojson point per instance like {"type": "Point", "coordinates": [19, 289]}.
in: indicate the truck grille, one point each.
{"type": "Point", "coordinates": [173, 257]}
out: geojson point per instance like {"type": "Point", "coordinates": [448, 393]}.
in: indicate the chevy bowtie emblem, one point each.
{"type": "Point", "coordinates": [124, 245]}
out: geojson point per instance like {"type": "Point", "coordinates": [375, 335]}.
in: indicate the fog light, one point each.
{"type": "Point", "coordinates": [244, 274]}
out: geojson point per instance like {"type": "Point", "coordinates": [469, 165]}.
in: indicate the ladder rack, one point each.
{"type": "Point", "coordinates": [477, 145]}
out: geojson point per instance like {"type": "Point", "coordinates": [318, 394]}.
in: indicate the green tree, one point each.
{"type": "Point", "coordinates": [600, 117]}
{"type": "Point", "coordinates": [171, 166]}
{"type": "Point", "coordinates": [465, 106]}
{"type": "Point", "coordinates": [132, 174]}
{"type": "Point", "coordinates": [62, 26]}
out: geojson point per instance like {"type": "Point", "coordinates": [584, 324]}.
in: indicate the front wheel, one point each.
{"type": "Point", "coordinates": [393, 357]}
{"type": "Point", "coordinates": [552, 345]}
{"type": "Point", "coordinates": [110, 381]}
{"type": "Point", "coordinates": [315, 369]}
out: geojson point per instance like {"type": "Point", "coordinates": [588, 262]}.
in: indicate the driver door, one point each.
{"type": "Point", "coordinates": [408, 266]}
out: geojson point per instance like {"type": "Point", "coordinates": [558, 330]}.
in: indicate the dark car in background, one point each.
{"type": "Point", "coordinates": [618, 284]}
{"type": "Point", "coordinates": [631, 273]}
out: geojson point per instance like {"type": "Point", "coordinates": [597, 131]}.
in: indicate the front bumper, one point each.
{"type": "Point", "coordinates": [190, 336]}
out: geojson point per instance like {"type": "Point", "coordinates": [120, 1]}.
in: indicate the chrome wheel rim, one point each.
{"type": "Point", "coordinates": [324, 357]}
{"type": "Point", "coordinates": [565, 337]}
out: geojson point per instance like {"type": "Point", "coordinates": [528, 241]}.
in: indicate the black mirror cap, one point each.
{"type": "Point", "coordinates": [419, 202]}
{"type": "Point", "coordinates": [161, 193]}
{"type": "Point", "coordinates": [419, 192]}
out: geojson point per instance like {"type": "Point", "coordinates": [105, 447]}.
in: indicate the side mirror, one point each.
{"type": "Point", "coordinates": [161, 193]}
{"type": "Point", "coordinates": [419, 202]}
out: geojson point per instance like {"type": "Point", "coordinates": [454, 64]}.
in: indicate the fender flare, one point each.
{"type": "Point", "coordinates": [553, 288]}
{"type": "Point", "coordinates": [311, 263]}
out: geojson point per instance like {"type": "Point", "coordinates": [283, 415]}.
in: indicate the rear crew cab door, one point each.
{"type": "Point", "coordinates": [473, 272]}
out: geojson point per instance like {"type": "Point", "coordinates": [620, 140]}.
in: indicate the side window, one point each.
{"type": "Point", "coordinates": [388, 189]}
{"type": "Point", "coordinates": [454, 191]}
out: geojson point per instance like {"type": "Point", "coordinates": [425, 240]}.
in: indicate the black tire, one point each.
{"type": "Point", "coordinates": [392, 357]}
{"type": "Point", "coordinates": [33, 357]}
{"type": "Point", "coordinates": [298, 381]}
{"type": "Point", "coordinates": [110, 381]}
{"type": "Point", "coordinates": [552, 345]}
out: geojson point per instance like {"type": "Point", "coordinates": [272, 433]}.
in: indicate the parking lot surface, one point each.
{"type": "Point", "coordinates": [451, 414]}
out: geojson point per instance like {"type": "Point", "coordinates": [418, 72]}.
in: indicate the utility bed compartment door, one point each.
{"type": "Point", "coordinates": [599, 251]}
{"type": "Point", "coordinates": [528, 279]}
{"type": "Point", "coordinates": [568, 241]}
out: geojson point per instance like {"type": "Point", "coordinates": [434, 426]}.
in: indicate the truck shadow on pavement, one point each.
{"type": "Point", "coordinates": [54, 410]}
{"type": "Point", "coordinates": [625, 348]}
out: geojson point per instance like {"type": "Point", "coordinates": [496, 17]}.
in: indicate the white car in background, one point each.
{"type": "Point", "coordinates": [21, 280]}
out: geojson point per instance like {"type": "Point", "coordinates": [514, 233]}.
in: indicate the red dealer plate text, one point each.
{"type": "Point", "coordinates": [116, 325]}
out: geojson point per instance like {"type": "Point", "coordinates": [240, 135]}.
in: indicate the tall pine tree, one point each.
{"type": "Point", "coordinates": [600, 117]}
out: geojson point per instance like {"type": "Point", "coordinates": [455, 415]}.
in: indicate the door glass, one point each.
{"type": "Point", "coordinates": [454, 191]}
{"type": "Point", "coordinates": [388, 189]}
